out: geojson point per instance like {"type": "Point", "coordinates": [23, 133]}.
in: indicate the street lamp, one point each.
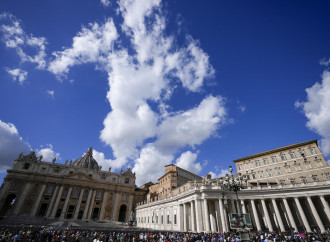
{"type": "Point", "coordinates": [231, 183]}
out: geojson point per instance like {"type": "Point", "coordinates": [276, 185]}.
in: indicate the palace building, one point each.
{"type": "Point", "coordinates": [73, 191]}
{"type": "Point", "coordinates": [288, 189]}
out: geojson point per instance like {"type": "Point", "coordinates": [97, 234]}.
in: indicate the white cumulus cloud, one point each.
{"type": "Point", "coordinates": [193, 126]}
{"type": "Point", "coordinates": [142, 75]}
{"type": "Point", "coordinates": [150, 165]}
{"type": "Point", "coordinates": [11, 145]}
{"type": "Point", "coordinates": [16, 38]}
{"type": "Point", "coordinates": [48, 153]}
{"type": "Point", "coordinates": [187, 162]}
{"type": "Point", "coordinates": [317, 110]}
{"type": "Point", "coordinates": [222, 173]}
{"type": "Point", "coordinates": [107, 163]}
{"type": "Point", "coordinates": [17, 74]}
{"type": "Point", "coordinates": [90, 45]}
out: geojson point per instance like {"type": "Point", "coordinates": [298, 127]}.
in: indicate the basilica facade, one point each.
{"type": "Point", "coordinates": [288, 189]}
{"type": "Point", "coordinates": [73, 191]}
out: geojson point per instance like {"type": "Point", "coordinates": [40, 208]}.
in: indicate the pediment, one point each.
{"type": "Point", "coordinates": [79, 176]}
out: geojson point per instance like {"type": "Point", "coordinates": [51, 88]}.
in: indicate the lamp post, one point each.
{"type": "Point", "coordinates": [231, 183]}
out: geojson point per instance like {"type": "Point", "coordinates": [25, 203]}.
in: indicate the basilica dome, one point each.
{"type": "Point", "coordinates": [87, 161]}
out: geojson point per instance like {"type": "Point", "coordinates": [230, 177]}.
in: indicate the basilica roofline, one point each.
{"type": "Point", "coordinates": [276, 150]}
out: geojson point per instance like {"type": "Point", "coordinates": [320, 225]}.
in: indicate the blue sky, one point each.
{"type": "Point", "coordinates": [148, 83]}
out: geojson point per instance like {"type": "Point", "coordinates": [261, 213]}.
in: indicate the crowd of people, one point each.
{"type": "Point", "coordinates": [53, 234]}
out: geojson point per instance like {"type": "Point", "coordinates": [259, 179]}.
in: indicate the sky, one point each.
{"type": "Point", "coordinates": [149, 83]}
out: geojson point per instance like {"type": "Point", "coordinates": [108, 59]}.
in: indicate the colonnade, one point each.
{"type": "Point", "coordinates": [297, 213]}
{"type": "Point", "coordinates": [54, 206]}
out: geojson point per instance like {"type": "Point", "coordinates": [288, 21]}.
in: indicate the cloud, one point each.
{"type": "Point", "coordinates": [193, 126]}
{"type": "Point", "coordinates": [325, 62]}
{"type": "Point", "coordinates": [106, 3]}
{"type": "Point", "coordinates": [150, 165]}
{"type": "Point", "coordinates": [17, 74]}
{"type": "Point", "coordinates": [222, 173]}
{"type": "Point", "coordinates": [107, 163]}
{"type": "Point", "coordinates": [48, 153]}
{"type": "Point", "coordinates": [15, 37]}
{"type": "Point", "coordinates": [317, 110]}
{"type": "Point", "coordinates": [11, 145]}
{"type": "Point", "coordinates": [51, 93]}
{"type": "Point", "coordinates": [187, 162]}
{"type": "Point", "coordinates": [89, 46]}
{"type": "Point", "coordinates": [142, 75]}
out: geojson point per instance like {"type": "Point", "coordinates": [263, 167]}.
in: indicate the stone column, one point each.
{"type": "Point", "coordinates": [36, 203]}
{"type": "Point", "coordinates": [193, 228]}
{"type": "Point", "coordinates": [243, 206]}
{"type": "Point", "coordinates": [278, 215]}
{"type": "Point", "coordinates": [233, 208]}
{"type": "Point", "coordinates": [50, 207]}
{"type": "Point", "coordinates": [87, 203]}
{"type": "Point", "coordinates": [5, 188]}
{"type": "Point", "coordinates": [303, 216]}
{"type": "Point", "coordinates": [198, 216]}
{"type": "Point", "coordinates": [66, 203]}
{"type": "Point", "coordinates": [288, 211]}
{"type": "Point", "coordinates": [180, 217]}
{"type": "Point", "coordinates": [255, 214]}
{"type": "Point", "coordinates": [76, 212]}
{"type": "Point", "coordinates": [185, 227]}
{"type": "Point", "coordinates": [114, 209]}
{"type": "Point", "coordinates": [104, 201]}
{"type": "Point", "coordinates": [130, 206]}
{"type": "Point", "coordinates": [222, 215]}
{"type": "Point", "coordinates": [91, 205]}
{"type": "Point", "coordinates": [207, 217]}
{"type": "Point", "coordinates": [316, 215]}
{"type": "Point", "coordinates": [269, 222]}
{"type": "Point", "coordinates": [326, 206]}
{"type": "Point", "coordinates": [56, 202]}
{"type": "Point", "coordinates": [21, 198]}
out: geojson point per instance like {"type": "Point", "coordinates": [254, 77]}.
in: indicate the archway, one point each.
{"type": "Point", "coordinates": [122, 213]}
{"type": "Point", "coordinates": [9, 203]}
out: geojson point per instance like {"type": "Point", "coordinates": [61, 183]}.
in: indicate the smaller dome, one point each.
{"type": "Point", "coordinates": [87, 161]}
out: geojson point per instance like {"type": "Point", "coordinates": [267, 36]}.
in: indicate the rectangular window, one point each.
{"type": "Point", "coordinates": [26, 166]}
{"type": "Point", "coordinates": [266, 161]}
{"type": "Point", "coordinates": [283, 157]}
{"type": "Point", "coordinates": [251, 165]}
{"type": "Point", "coordinates": [168, 219]}
{"type": "Point", "coordinates": [292, 155]}
{"type": "Point", "coordinates": [174, 218]}
{"type": "Point", "coordinates": [98, 195]}
{"type": "Point", "coordinates": [274, 160]}
{"type": "Point", "coordinates": [257, 163]}
{"type": "Point", "coordinates": [261, 174]}
{"type": "Point", "coordinates": [156, 219]}
{"type": "Point", "coordinates": [278, 171]}
{"type": "Point", "coordinates": [162, 219]}
{"type": "Point", "coordinates": [16, 186]}
{"type": "Point", "coordinates": [312, 151]}
{"type": "Point", "coordinates": [50, 189]}
{"type": "Point", "coordinates": [298, 168]}
{"type": "Point", "coordinates": [269, 172]}
{"type": "Point", "coordinates": [287, 169]}
{"type": "Point", "coordinates": [75, 192]}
